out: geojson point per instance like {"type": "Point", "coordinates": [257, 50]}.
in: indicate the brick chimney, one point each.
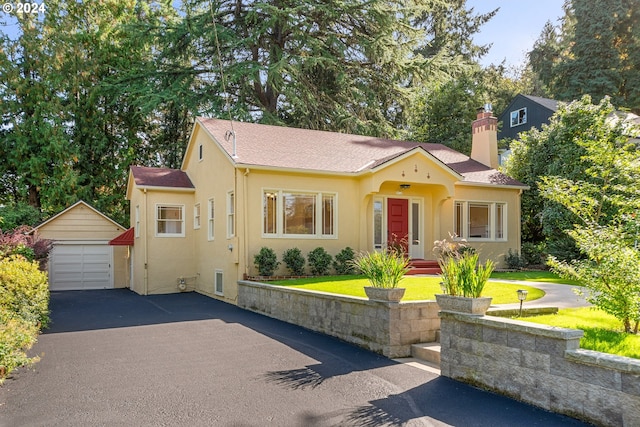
{"type": "Point", "coordinates": [484, 142]}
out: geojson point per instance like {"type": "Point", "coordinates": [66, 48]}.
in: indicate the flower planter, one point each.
{"type": "Point", "coordinates": [384, 294]}
{"type": "Point", "coordinates": [478, 306]}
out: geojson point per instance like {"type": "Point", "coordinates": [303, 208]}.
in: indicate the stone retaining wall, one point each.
{"type": "Point", "coordinates": [383, 327]}
{"type": "Point", "coordinates": [541, 365]}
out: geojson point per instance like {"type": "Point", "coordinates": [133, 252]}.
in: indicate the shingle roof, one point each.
{"type": "Point", "coordinates": [286, 147]}
{"type": "Point", "coordinates": [550, 104]}
{"type": "Point", "coordinates": [160, 177]}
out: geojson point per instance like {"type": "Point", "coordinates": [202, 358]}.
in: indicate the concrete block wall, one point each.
{"type": "Point", "coordinates": [541, 365]}
{"type": "Point", "coordinates": [386, 328]}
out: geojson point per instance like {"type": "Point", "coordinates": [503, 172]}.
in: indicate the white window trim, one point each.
{"type": "Point", "coordinates": [211, 219]}
{"type": "Point", "coordinates": [169, 205]}
{"type": "Point", "coordinates": [492, 220]}
{"type": "Point", "coordinates": [215, 282]}
{"type": "Point", "coordinates": [520, 123]}
{"type": "Point", "coordinates": [383, 223]}
{"type": "Point", "coordinates": [197, 216]}
{"type": "Point", "coordinates": [231, 214]}
{"type": "Point", "coordinates": [280, 234]}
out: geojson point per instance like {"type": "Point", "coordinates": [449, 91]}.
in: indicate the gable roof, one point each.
{"type": "Point", "coordinates": [78, 203]}
{"type": "Point", "coordinates": [160, 177]}
{"type": "Point", "coordinates": [549, 104]}
{"type": "Point", "coordinates": [332, 152]}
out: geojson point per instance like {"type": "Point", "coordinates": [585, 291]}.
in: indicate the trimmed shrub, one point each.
{"type": "Point", "coordinates": [294, 260]}
{"type": "Point", "coordinates": [343, 263]}
{"type": "Point", "coordinates": [514, 260]}
{"type": "Point", "coordinates": [266, 261]}
{"type": "Point", "coordinates": [16, 337]}
{"type": "Point", "coordinates": [319, 261]}
{"type": "Point", "coordinates": [24, 290]}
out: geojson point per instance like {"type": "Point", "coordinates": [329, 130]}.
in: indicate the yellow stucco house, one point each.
{"type": "Point", "coordinates": [244, 186]}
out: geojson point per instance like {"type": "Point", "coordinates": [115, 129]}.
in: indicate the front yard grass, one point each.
{"type": "Point", "coordinates": [417, 287]}
{"type": "Point", "coordinates": [602, 332]}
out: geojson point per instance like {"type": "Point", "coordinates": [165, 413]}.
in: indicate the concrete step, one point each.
{"type": "Point", "coordinates": [429, 351]}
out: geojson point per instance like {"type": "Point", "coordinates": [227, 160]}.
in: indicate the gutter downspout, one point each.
{"type": "Point", "coordinates": [146, 243]}
{"type": "Point", "coordinates": [245, 225]}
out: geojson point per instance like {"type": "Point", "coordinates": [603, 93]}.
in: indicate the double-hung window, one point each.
{"type": "Point", "coordinates": [231, 213]}
{"type": "Point", "coordinates": [480, 220]}
{"type": "Point", "coordinates": [170, 220]}
{"type": "Point", "coordinates": [299, 214]}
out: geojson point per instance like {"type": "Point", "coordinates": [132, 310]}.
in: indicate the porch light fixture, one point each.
{"type": "Point", "coordinates": [405, 186]}
{"type": "Point", "coordinates": [522, 296]}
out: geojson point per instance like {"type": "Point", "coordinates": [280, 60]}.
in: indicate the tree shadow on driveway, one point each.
{"type": "Point", "coordinates": [422, 397]}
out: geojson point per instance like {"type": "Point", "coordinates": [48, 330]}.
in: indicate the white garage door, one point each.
{"type": "Point", "coordinates": [80, 266]}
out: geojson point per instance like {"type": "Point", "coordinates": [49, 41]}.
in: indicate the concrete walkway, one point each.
{"type": "Point", "coordinates": [556, 295]}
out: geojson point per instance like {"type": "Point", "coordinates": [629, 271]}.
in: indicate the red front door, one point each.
{"type": "Point", "coordinates": [398, 222]}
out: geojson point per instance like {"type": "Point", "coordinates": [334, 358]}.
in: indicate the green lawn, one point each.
{"type": "Point", "coordinates": [418, 287]}
{"type": "Point", "coordinates": [602, 332]}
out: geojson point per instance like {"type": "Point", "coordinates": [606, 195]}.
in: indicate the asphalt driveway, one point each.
{"type": "Point", "coordinates": [113, 358]}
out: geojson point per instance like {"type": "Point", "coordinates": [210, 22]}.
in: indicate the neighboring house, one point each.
{"type": "Point", "coordinates": [523, 113]}
{"type": "Point", "coordinates": [243, 186]}
{"type": "Point", "coordinates": [82, 257]}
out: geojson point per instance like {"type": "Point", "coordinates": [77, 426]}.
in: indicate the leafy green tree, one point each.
{"type": "Point", "coordinates": [559, 150]}
{"type": "Point", "coordinates": [16, 214]}
{"type": "Point", "coordinates": [604, 201]}
{"type": "Point", "coordinates": [444, 111]}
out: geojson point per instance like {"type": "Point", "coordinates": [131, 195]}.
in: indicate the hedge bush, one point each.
{"type": "Point", "coordinates": [343, 262]}
{"type": "Point", "coordinates": [319, 261]}
{"type": "Point", "coordinates": [24, 309]}
{"type": "Point", "coordinates": [294, 260]}
{"type": "Point", "coordinates": [266, 261]}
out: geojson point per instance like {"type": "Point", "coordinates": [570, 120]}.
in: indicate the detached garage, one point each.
{"type": "Point", "coordinates": [82, 257]}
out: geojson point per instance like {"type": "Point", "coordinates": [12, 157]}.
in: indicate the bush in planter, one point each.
{"type": "Point", "coordinates": [319, 261]}
{"type": "Point", "coordinates": [463, 276]}
{"type": "Point", "coordinates": [343, 263]}
{"type": "Point", "coordinates": [266, 261]}
{"type": "Point", "coordinates": [383, 269]}
{"type": "Point", "coordinates": [294, 260]}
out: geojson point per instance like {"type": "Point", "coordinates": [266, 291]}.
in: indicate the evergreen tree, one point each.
{"type": "Point", "coordinates": [596, 51]}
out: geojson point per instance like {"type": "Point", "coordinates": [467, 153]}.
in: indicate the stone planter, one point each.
{"type": "Point", "coordinates": [459, 304]}
{"type": "Point", "coordinates": [384, 294]}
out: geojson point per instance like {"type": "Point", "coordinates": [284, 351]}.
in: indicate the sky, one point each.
{"type": "Point", "coordinates": [515, 28]}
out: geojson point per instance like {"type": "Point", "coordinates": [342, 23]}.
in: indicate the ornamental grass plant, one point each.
{"type": "Point", "coordinates": [464, 276]}
{"type": "Point", "coordinates": [384, 269]}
